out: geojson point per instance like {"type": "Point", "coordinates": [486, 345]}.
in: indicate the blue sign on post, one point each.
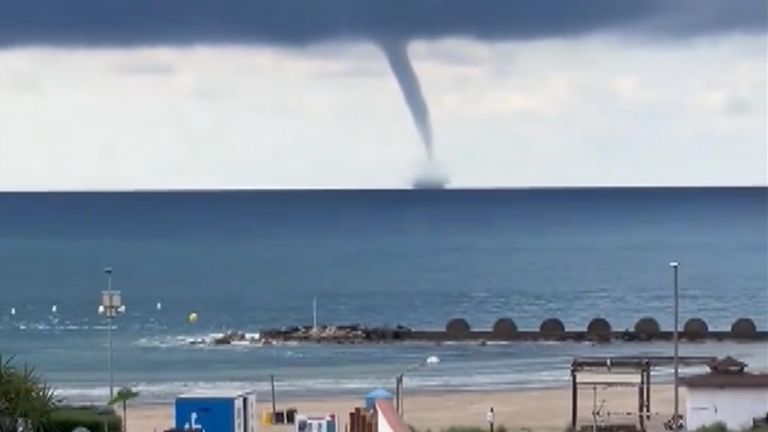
{"type": "Point", "coordinates": [212, 413]}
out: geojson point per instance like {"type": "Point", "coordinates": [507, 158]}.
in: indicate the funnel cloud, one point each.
{"type": "Point", "coordinates": [400, 63]}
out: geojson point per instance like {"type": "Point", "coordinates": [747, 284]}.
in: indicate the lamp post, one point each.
{"type": "Point", "coordinates": [429, 361]}
{"type": "Point", "coordinates": [111, 306]}
{"type": "Point", "coordinates": [675, 340]}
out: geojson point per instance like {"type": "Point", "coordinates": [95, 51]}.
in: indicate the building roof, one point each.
{"type": "Point", "coordinates": [727, 372]}
{"type": "Point", "coordinates": [386, 410]}
{"type": "Point", "coordinates": [731, 380]}
{"type": "Point", "coordinates": [214, 394]}
{"type": "Point", "coordinates": [630, 363]}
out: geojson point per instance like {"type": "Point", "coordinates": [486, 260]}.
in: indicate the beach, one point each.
{"type": "Point", "coordinates": [539, 410]}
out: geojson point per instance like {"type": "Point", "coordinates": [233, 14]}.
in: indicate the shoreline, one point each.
{"type": "Point", "coordinates": [414, 392]}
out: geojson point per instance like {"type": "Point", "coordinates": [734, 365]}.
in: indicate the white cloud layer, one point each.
{"type": "Point", "coordinates": [548, 113]}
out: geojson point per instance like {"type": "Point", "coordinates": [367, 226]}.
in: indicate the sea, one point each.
{"type": "Point", "coordinates": [251, 260]}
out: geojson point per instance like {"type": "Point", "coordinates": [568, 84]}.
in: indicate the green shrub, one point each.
{"type": "Point", "coordinates": [497, 428]}
{"type": "Point", "coordinates": [24, 397]}
{"type": "Point", "coordinates": [67, 419]}
{"type": "Point", "coordinates": [715, 427]}
{"type": "Point", "coordinates": [465, 429]}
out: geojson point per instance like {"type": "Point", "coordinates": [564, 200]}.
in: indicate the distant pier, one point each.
{"type": "Point", "coordinates": [505, 329]}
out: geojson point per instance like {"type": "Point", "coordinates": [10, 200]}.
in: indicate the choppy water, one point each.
{"type": "Point", "coordinates": [249, 260]}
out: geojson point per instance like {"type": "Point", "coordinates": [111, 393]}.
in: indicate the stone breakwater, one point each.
{"type": "Point", "coordinates": [504, 329]}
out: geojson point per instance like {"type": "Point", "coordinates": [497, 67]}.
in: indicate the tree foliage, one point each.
{"type": "Point", "coordinates": [124, 395]}
{"type": "Point", "coordinates": [26, 401]}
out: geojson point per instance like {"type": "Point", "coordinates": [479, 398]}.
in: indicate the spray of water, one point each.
{"type": "Point", "coordinates": [400, 63]}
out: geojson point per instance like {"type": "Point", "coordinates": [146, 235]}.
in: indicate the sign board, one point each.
{"type": "Point", "coordinates": [206, 414]}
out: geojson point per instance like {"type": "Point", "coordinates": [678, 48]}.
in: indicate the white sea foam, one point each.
{"type": "Point", "coordinates": [298, 387]}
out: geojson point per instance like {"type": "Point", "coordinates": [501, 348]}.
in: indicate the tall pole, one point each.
{"type": "Point", "coordinates": [314, 313]}
{"type": "Point", "coordinates": [429, 361]}
{"type": "Point", "coordinates": [676, 419]}
{"type": "Point", "coordinates": [397, 393]}
{"type": "Point", "coordinates": [402, 400]}
{"type": "Point", "coordinates": [110, 313]}
{"type": "Point", "coordinates": [274, 402]}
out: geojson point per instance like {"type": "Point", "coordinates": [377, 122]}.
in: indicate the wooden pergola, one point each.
{"type": "Point", "coordinates": [624, 365]}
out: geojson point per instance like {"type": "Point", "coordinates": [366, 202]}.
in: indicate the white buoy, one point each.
{"type": "Point", "coordinates": [159, 306]}
{"type": "Point", "coordinates": [13, 311]}
{"type": "Point", "coordinates": [54, 309]}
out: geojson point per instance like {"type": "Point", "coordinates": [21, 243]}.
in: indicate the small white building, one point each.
{"type": "Point", "coordinates": [727, 394]}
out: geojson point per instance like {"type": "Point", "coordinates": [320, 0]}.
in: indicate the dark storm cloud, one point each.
{"type": "Point", "coordinates": [141, 22]}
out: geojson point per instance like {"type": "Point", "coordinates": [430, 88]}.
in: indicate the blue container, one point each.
{"type": "Point", "coordinates": [216, 413]}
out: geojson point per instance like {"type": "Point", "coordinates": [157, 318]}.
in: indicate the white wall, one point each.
{"type": "Point", "coordinates": [387, 418]}
{"type": "Point", "coordinates": [383, 424]}
{"type": "Point", "coordinates": [736, 407]}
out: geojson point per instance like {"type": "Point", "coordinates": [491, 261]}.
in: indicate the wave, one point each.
{"type": "Point", "coordinates": [318, 387]}
{"type": "Point", "coordinates": [54, 325]}
{"type": "Point", "coordinates": [199, 340]}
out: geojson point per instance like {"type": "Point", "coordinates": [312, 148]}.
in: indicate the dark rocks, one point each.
{"type": "Point", "coordinates": [343, 334]}
{"type": "Point", "coordinates": [230, 337]}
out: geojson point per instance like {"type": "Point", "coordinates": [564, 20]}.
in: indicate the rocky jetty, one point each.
{"type": "Point", "coordinates": [599, 330]}
{"type": "Point", "coordinates": [336, 334]}
{"type": "Point", "coordinates": [232, 337]}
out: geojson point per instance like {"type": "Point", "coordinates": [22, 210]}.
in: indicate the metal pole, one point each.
{"type": "Point", "coordinates": [648, 390]}
{"type": "Point", "coordinates": [110, 311]}
{"type": "Point", "coordinates": [397, 393]}
{"type": "Point", "coordinates": [641, 400]}
{"type": "Point", "coordinates": [274, 403]}
{"type": "Point", "coordinates": [676, 417]}
{"type": "Point", "coordinates": [574, 398]}
{"type": "Point", "coordinates": [402, 401]}
{"type": "Point", "coordinates": [314, 313]}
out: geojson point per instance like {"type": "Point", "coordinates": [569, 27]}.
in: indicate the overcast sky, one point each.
{"type": "Point", "coordinates": [266, 96]}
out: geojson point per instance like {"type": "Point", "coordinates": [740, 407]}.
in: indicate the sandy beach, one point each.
{"type": "Point", "coordinates": [540, 410]}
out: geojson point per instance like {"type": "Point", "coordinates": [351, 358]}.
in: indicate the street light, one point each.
{"type": "Point", "coordinates": [676, 417]}
{"type": "Point", "coordinates": [111, 307]}
{"type": "Point", "coordinates": [429, 361]}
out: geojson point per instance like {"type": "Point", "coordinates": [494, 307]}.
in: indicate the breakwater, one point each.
{"type": "Point", "coordinates": [505, 329]}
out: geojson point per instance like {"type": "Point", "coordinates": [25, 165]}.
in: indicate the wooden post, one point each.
{"type": "Point", "coordinates": [358, 420]}
{"type": "Point", "coordinates": [274, 402]}
{"type": "Point", "coordinates": [641, 400]}
{"type": "Point", "coordinates": [648, 390]}
{"type": "Point", "coordinates": [397, 393]}
{"type": "Point", "coordinates": [574, 398]}
{"type": "Point", "coordinates": [402, 401]}
{"type": "Point", "coordinates": [351, 422]}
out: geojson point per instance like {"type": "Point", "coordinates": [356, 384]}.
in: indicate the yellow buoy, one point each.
{"type": "Point", "coordinates": [193, 317]}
